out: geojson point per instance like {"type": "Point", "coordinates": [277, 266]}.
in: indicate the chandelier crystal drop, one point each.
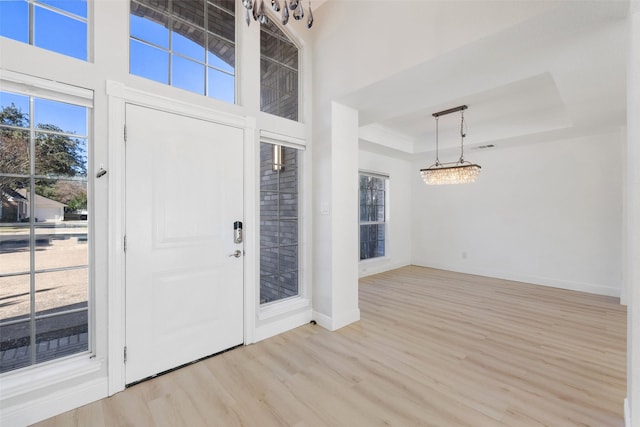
{"type": "Point", "coordinates": [256, 9]}
{"type": "Point", "coordinates": [460, 172]}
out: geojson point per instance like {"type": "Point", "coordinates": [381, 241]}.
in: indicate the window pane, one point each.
{"type": "Point", "coordinates": [15, 109]}
{"type": "Point", "coordinates": [372, 241]}
{"type": "Point", "coordinates": [59, 155]}
{"type": "Point", "coordinates": [61, 291]}
{"type": "Point", "coordinates": [161, 5]}
{"type": "Point", "coordinates": [14, 290]}
{"type": "Point", "coordinates": [149, 25]}
{"type": "Point", "coordinates": [221, 86]}
{"type": "Point", "coordinates": [222, 22]}
{"type": "Point", "coordinates": [62, 335]}
{"type": "Point", "coordinates": [60, 33]}
{"type": "Point", "coordinates": [77, 7]}
{"type": "Point", "coordinates": [61, 232]}
{"type": "Point", "coordinates": [221, 54]}
{"type": "Point", "coordinates": [187, 75]}
{"type": "Point", "coordinates": [68, 118]}
{"type": "Point", "coordinates": [14, 20]}
{"type": "Point", "coordinates": [149, 62]}
{"type": "Point", "coordinates": [15, 346]}
{"type": "Point", "coordinates": [268, 261]}
{"type": "Point", "coordinates": [14, 157]}
{"type": "Point", "coordinates": [288, 259]}
{"type": "Point", "coordinates": [190, 10]}
{"type": "Point", "coordinates": [188, 41]}
{"type": "Point", "coordinates": [288, 232]}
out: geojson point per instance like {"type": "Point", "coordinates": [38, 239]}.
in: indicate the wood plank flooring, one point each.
{"type": "Point", "coordinates": [433, 348]}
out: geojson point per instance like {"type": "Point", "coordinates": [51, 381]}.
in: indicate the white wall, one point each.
{"type": "Point", "coordinates": [37, 393]}
{"type": "Point", "coordinates": [548, 213]}
{"type": "Point", "coordinates": [399, 236]}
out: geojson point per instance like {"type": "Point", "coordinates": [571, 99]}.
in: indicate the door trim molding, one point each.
{"type": "Point", "coordinates": [118, 95]}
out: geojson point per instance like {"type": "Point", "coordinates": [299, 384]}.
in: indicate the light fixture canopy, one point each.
{"type": "Point", "coordinates": [460, 172]}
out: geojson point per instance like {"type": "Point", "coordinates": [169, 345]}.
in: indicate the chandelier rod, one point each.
{"type": "Point", "coordinates": [450, 110]}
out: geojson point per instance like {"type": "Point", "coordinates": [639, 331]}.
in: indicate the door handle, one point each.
{"type": "Point", "coordinates": [237, 253]}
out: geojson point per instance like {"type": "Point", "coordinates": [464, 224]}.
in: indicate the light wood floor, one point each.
{"type": "Point", "coordinates": [433, 348]}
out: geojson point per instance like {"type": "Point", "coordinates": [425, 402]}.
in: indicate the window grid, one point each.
{"type": "Point", "coordinates": [373, 221]}
{"type": "Point", "coordinates": [39, 350]}
{"type": "Point", "coordinates": [279, 224]}
{"type": "Point", "coordinates": [209, 36]}
{"type": "Point", "coordinates": [279, 74]}
{"type": "Point", "coordinates": [32, 6]}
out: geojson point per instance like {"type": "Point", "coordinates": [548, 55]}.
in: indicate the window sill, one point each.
{"type": "Point", "coordinates": [271, 310]}
{"type": "Point", "coordinates": [31, 379]}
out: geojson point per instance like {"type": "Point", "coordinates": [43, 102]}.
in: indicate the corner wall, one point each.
{"type": "Point", "coordinates": [549, 213]}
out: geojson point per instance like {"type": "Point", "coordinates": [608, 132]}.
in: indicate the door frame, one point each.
{"type": "Point", "coordinates": [118, 95]}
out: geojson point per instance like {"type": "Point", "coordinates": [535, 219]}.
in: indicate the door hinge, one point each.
{"type": "Point", "coordinates": [125, 133]}
{"type": "Point", "coordinates": [125, 354]}
{"type": "Point", "coordinates": [125, 244]}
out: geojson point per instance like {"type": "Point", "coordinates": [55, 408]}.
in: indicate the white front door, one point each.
{"type": "Point", "coordinates": [184, 292]}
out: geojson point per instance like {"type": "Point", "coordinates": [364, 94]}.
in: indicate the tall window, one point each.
{"type": "Point", "coordinates": [57, 25]}
{"type": "Point", "coordinates": [44, 281]}
{"type": "Point", "coordinates": [373, 217]}
{"type": "Point", "coordinates": [278, 73]}
{"type": "Point", "coordinates": [279, 222]}
{"type": "Point", "coordinates": [188, 44]}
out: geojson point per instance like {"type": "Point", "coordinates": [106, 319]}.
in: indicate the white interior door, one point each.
{"type": "Point", "coordinates": [184, 292]}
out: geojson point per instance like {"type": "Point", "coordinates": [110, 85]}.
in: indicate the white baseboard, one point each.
{"type": "Point", "coordinates": [627, 414]}
{"type": "Point", "coordinates": [53, 404]}
{"type": "Point", "coordinates": [273, 328]}
{"type": "Point", "coordinates": [591, 288]}
{"type": "Point", "coordinates": [334, 323]}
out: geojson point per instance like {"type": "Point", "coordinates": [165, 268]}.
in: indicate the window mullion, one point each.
{"type": "Point", "coordinates": [32, 232]}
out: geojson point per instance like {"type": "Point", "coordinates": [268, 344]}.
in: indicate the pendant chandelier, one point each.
{"type": "Point", "coordinates": [256, 9]}
{"type": "Point", "coordinates": [460, 172]}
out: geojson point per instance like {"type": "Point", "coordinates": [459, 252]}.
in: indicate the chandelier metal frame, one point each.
{"type": "Point", "coordinates": [460, 172]}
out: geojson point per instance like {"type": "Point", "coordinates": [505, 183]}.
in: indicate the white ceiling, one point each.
{"type": "Point", "coordinates": [560, 74]}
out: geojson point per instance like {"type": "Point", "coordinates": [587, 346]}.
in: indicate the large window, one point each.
{"type": "Point", "coordinates": [188, 44]}
{"type": "Point", "coordinates": [278, 73]}
{"type": "Point", "coordinates": [279, 222]}
{"type": "Point", "coordinates": [373, 215]}
{"type": "Point", "coordinates": [57, 25]}
{"type": "Point", "coordinates": [44, 257]}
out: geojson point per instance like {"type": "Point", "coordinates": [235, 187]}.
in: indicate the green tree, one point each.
{"type": "Point", "coordinates": [56, 156]}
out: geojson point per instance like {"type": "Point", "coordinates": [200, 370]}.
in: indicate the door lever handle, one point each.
{"type": "Point", "coordinates": [237, 253]}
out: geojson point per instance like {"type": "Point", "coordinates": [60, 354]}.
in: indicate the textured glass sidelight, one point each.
{"type": "Point", "coordinates": [279, 222]}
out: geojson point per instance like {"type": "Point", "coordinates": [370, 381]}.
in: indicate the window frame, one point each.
{"type": "Point", "coordinates": [298, 70]}
{"type": "Point", "coordinates": [175, 54]}
{"type": "Point", "coordinates": [386, 178]}
{"type": "Point", "coordinates": [31, 30]}
{"type": "Point", "coordinates": [59, 92]}
{"type": "Point", "coordinates": [272, 311]}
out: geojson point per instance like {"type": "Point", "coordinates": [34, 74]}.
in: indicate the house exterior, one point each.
{"type": "Point", "coordinates": [46, 210]}
{"type": "Point", "coordinates": [14, 206]}
{"type": "Point", "coordinates": [557, 89]}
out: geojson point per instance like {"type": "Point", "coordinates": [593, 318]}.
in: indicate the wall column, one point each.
{"type": "Point", "coordinates": [633, 219]}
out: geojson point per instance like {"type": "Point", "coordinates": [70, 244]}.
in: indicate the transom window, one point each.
{"type": "Point", "coordinates": [57, 25]}
{"type": "Point", "coordinates": [44, 255]}
{"type": "Point", "coordinates": [373, 215]}
{"type": "Point", "coordinates": [278, 73]}
{"type": "Point", "coordinates": [279, 222]}
{"type": "Point", "coordinates": [189, 44]}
